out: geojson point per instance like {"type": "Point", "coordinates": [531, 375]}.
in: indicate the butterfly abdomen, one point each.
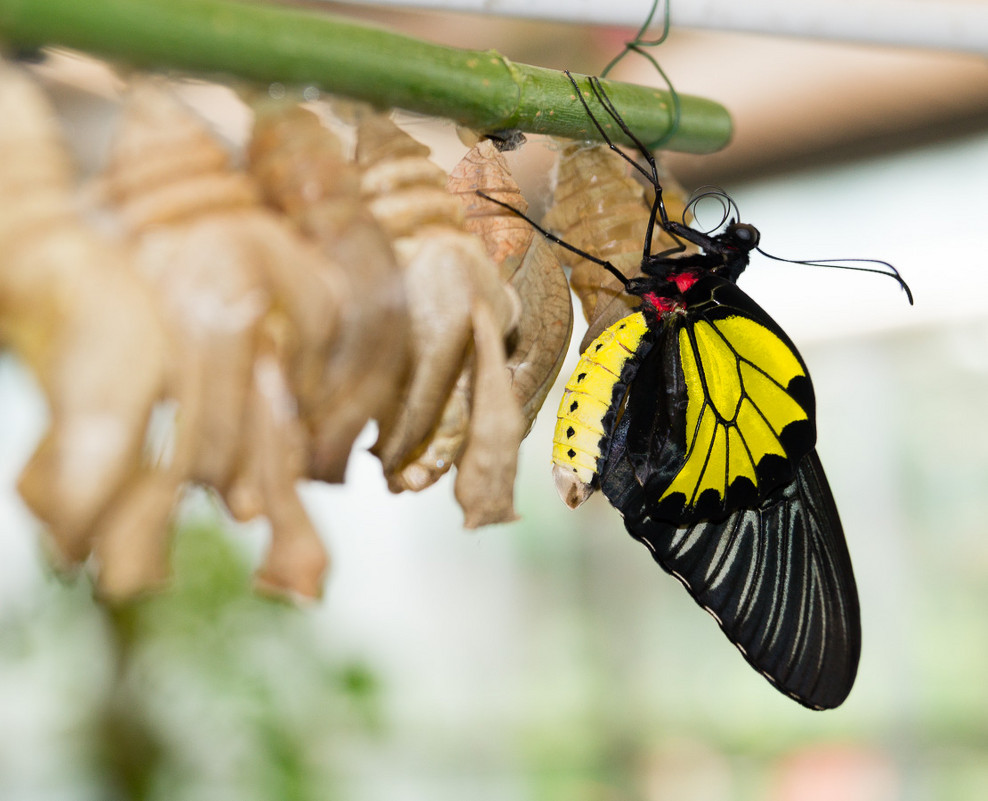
{"type": "Point", "coordinates": [590, 405]}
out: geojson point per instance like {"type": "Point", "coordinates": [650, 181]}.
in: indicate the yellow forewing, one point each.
{"type": "Point", "coordinates": [770, 399]}
{"type": "Point", "coordinates": [720, 369]}
{"type": "Point", "coordinates": [756, 344]}
{"type": "Point", "coordinates": [588, 397]}
{"type": "Point", "coordinates": [691, 378]}
{"type": "Point", "coordinates": [739, 465]}
{"type": "Point", "coordinates": [758, 437]}
{"type": "Point", "coordinates": [689, 476]}
{"type": "Point", "coordinates": [736, 372]}
{"type": "Point", "coordinates": [715, 470]}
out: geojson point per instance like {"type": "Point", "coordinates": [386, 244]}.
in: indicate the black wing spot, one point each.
{"type": "Point", "coordinates": [599, 346]}
{"type": "Point", "coordinates": [570, 432]}
{"type": "Point", "coordinates": [574, 406]}
{"type": "Point", "coordinates": [580, 377]}
{"type": "Point", "coordinates": [571, 454]}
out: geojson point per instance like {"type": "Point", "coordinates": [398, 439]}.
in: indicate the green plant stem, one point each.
{"type": "Point", "coordinates": [274, 43]}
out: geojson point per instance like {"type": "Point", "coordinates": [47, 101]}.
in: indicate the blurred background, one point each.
{"type": "Point", "coordinates": [551, 658]}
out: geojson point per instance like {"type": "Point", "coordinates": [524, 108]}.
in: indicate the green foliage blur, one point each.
{"type": "Point", "coordinates": [205, 691]}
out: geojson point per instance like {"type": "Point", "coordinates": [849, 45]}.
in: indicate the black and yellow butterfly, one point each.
{"type": "Point", "coordinates": [696, 417]}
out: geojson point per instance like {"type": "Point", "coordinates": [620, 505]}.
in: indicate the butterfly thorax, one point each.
{"type": "Point", "coordinates": [725, 254]}
{"type": "Point", "coordinates": [665, 296]}
{"type": "Point", "coordinates": [658, 298]}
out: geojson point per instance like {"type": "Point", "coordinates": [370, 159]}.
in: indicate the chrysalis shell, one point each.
{"type": "Point", "coordinates": [300, 167]}
{"type": "Point", "coordinates": [485, 473]}
{"type": "Point", "coordinates": [446, 271]}
{"type": "Point", "coordinates": [252, 314]}
{"type": "Point", "coordinates": [525, 259]}
{"type": "Point", "coordinates": [72, 308]}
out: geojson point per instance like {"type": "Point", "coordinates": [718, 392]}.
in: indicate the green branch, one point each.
{"type": "Point", "coordinates": [267, 42]}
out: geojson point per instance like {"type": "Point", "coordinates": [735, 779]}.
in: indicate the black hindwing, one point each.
{"type": "Point", "coordinates": [777, 578]}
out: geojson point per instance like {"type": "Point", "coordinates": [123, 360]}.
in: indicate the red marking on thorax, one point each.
{"type": "Point", "coordinates": [660, 304]}
{"type": "Point", "coordinates": [684, 281]}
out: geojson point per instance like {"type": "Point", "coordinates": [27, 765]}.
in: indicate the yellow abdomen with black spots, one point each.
{"type": "Point", "coordinates": [589, 396]}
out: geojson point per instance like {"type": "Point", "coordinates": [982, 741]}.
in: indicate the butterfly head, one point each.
{"type": "Point", "coordinates": [732, 246]}
{"type": "Point", "coordinates": [739, 236]}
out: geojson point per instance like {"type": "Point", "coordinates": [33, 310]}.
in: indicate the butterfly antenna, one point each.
{"type": "Point", "coordinates": [729, 209]}
{"type": "Point", "coordinates": [841, 264]}
{"type": "Point", "coordinates": [561, 242]}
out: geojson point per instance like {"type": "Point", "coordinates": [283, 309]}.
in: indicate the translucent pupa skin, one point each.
{"type": "Point", "coordinates": [526, 260]}
{"type": "Point", "coordinates": [251, 314]}
{"type": "Point", "coordinates": [447, 274]}
{"type": "Point", "coordinates": [78, 316]}
{"type": "Point", "coordinates": [600, 208]}
{"type": "Point", "coordinates": [301, 168]}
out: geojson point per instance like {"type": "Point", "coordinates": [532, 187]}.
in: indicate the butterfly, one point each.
{"type": "Point", "coordinates": [695, 415]}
